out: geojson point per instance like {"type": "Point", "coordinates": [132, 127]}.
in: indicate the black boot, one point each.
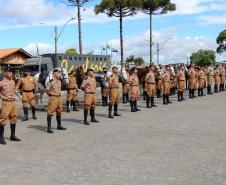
{"type": "Point", "coordinates": [179, 96]}
{"type": "Point", "coordinates": [13, 131]}
{"type": "Point", "coordinates": [59, 126]}
{"type": "Point", "coordinates": [116, 110]}
{"type": "Point", "coordinates": [124, 97]}
{"type": "Point", "coordinates": [202, 94]}
{"type": "Point", "coordinates": [92, 114]}
{"type": "Point", "coordinates": [33, 113]}
{"type": "Point", "coordinates": [153, 102]}
{"type": "Point", "coordinates": [190, 93]}
{"type": "Point", "coordinates": [132, 106]}
{"type": "Point", "coordinates": [164, 99]}
{"type": "Point", "coordinates": [135, 105]}
{"type": "Point", "coordinates": [167, 97]}
{"type": "Point", "coordinates": [49, 129]}
{"type": "Point", "coordinates": [148, 102]}
{"type": "Point", "coordinates": [25, 118]}
{"type": "Point", "coordinates": [85, 116]}
{"type": "Point", "coordinates": [2, 140]}
{"type": "Point", "coordinates": [193, 94]}
{"type": "Point", "coordinates": [110, 111]}
{"type": "Point", "coordinates": [127, 97]}
{"type": "Point", "coordinates": [159, 93]}
{"type": "Point", "coordinates": [182, 96]}
{"type": "Point", "coordinates": [199, 92]}
{"type": "Point", "coordinates": [105, 101]}
{"type": "Point", "coordinates": [144, 95]}
{"type": "Point", "coordinates": [67, 105]}
{"type": "Point", "coordinates": [220, 88]}
{"type": "Point", "coordinates": [74, 106]}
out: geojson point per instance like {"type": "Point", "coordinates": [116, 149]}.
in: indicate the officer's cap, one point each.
{"type": "Point", "coordinates": [114, 67]}
{"type": "Point", "coordinates": [9, 69]}
{"type": "Point", "coordinates": [90, 69]}
{"type": "Point", "coordinates": [56, 70]}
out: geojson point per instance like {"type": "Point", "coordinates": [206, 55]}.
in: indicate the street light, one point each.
{"type": "Point", "coordinates": [159, 48]}
{"type": "Point", "coordinates": [57, 38]}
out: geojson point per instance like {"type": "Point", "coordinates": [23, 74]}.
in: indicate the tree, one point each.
{"type": "Point", "coordinates": [136, 61]}
{"type": "Point", "coordinates": [156, 7]}
{"type": "Point", "coordinates": [203, 57]}
{"type": "Point", "coordinates": [71, 51]}
{"type": "Point", "coordinates": [79, 4]}
{"type": "Point", "coordinates": [221, 41]}
{"type": "Point", "coordinates": [120, 9]}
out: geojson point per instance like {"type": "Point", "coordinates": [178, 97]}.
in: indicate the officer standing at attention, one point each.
{"type": "Point", "coordinates": [105, 88]}
{"type": "Point", "coordinates": [165, 76]}
{"type": "Point", "coordinates": [89, 87]}
{"type": "Point", "coordinates": [125, 86]}
{"type": "Point", "coordinates": [53, 89]}
{"type": "Point", "coordinates": [150, 85]}
{"type": "Point", "coordinates": [114, 93]}
{"type": "Point", "coordinates": [72, 92]}
{"type": "Point", "coordinates": [222, 77]}
{"type": "Point", "coordinates": [192, 81]}
{"type": "Point", "coordinates": [210, 73]}
{"type": "Point", "coordinates": [181, 82]}
{"type": "Point", "coordinates": [8, 108]}
{"type": "Point", "coordinates": [134, 90]}
{"type": "Point", "coordinates": [201, 81]}
{"type": "Point", "coordinates": [28, 86]}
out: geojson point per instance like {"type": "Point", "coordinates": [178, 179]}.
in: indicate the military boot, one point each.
{"type": "Point", "coordinates": [25, 118]}
{"type": "Point", "coordinates": [74, 106]}
{"type": "Point", "coordinates": [67, 105]}
{"type": "Point", "coordinates": [182, 96]}
{"type": "Point", "coordinates": [127, 97]}
{"type": "Point", "coordinates": [105, 101]}
{"type": "Point", "coordinates": [132, 106]}
{"type": "Point", "coordinates": [167, 98]}
{"type": "Point", "coordinates": [110, 111]}
{"type": "Point", "coordinates": [148, 102]}
{"type": "Point", "coordinates": [190, 94]}
{"type": "Point", "coordinates": [92, 114]}
{"type": "Point", "coordinates": [85, 116]}
{"type": "Point", "coordinates": [179, 96]}
{"type": "Point", "coordinates": [33, 113]}
{"type": "Point", "coordinates": [59, 126]}
{"type": "Point", "coordinates": [13, 131]}
{"type": "Point", "coordinates": [144, 95]}
{"type": "Point", "coordinates": [199, 92]}
{"type": "Point", "coordinates": [193, 94]}
{"type": "Point", "coordinates": [2, 140]}
{"type": "Point", "coordinates": [164, 99]}
{"type": "Point", "coordinates": [153, 102]}
{"type": "Point", "coordinates": [116, 110]}
{"type": "Point", "coordinates": [49, 129]}
{"type": "Point", "coordinates": [124, 98]}
{"type": "Point", "coordinates": [202, 94]}
{"type": "Point", "coordinates": [135, 105]}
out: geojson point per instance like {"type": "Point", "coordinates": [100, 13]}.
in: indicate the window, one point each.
{"type": "Point", "coordinates": [105, 59]}
{"type": "Point", "coordinates": [70, 57]}
{"type": "Point", "coordinates": [97, 59]}
{"type": "Point", "coordinates": [80, 58]}
{"type": "Point", "coordinates": [75, 58]}
{"type": "Point", "coordinates": [60, 57]}
{"type": "Point", "coordinates": [100, 58]}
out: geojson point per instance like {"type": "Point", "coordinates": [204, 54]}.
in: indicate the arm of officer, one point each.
{"type": "Point", "coordinates": [18, 84]}
{"type": "Point", "coordinates": [48, 87]}
{"type": "Point", "coordinates": [84, 82]}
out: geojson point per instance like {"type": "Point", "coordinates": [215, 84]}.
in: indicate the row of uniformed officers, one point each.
{"type": "Point", "coordinates": [110, 92]}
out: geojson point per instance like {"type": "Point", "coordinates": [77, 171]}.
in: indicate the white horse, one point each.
{"type": "Point", "coordinates": [41, 86]}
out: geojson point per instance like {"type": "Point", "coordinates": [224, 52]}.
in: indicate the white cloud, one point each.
{"type": "Point", "coordinates": [212, 19]}
{"type": "Point", "coordinates": [174, 51]}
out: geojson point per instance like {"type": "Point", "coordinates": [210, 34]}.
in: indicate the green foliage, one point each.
{"type": "Point", "coordinates": [118, 8]}
{"type": "Point", "coordinates": [221, 41]}
{"type": "Point", "coordinates": [79, 3]}
{"type": "Point", "coordinates": [136, 61]}
{"type": "Point", "coordinates": [203, 57]}
{"type": "Point", "coordinates": [71, 51]}
{"type": "Point", "coordinates": [156, 7]}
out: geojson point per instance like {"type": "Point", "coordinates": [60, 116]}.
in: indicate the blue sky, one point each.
{"type": "Point", "coordinates": [194, 25]}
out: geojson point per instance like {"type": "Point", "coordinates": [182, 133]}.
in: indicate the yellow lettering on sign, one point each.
{"type": "Point", "coordinates": [64, 64]}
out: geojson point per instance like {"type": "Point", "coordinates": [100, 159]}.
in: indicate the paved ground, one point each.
{"type": "Point", "coordinates": [180, 144]}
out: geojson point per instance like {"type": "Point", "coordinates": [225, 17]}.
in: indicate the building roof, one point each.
{"type": "Point", "coordinates": [6, 52]}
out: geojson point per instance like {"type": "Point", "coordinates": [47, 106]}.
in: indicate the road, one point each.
{"type": "Point", "coordinates": [179, 144]}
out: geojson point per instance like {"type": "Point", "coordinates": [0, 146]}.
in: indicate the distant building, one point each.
{"type": "Point", "coordinates": [13, 57]}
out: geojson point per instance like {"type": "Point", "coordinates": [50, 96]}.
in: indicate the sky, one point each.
{"type": "Point", "coordinates": [194, 25]}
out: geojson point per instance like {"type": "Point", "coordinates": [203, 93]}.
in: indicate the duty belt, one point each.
{"type": "Point", "coordinates": [72, 88]}
{"type": "Point", "coordinates": [28, 90]}
{"type": "Point", "coordinates": [151, 83]}
{"type": "Point", "coordinates": [114, 87]}
{"type": "Point", "coordinates": [89, 92]}
{"type": "Point", "coordinates": [12, 100]}
{"type": "Point", "coordinates": [55, 95]}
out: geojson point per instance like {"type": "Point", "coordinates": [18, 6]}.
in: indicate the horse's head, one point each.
{"type": "Point", "coordinates": [64, 76]}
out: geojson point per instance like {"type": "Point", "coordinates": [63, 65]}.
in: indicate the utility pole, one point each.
{"type": "Point", "coordinates": [158, 53]}
{"type": "Point", "coordinates": [56, 39]}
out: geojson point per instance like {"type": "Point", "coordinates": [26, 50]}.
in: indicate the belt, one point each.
{"type": "Point", "coordinates": [27, 90]}
{"type": "Point", "coordinates": [12, 100]}
{"type": "Point", "coordinates": [151, 83]}
{"type": "Point", "coordinates": [134, 85]}
{"type": "Point", "coordinates": [89, 92]}
{"type": "Point", "coordinates": [114, 87]}
{"type": "Point", "coordinates": [181, 80]}
{"type": "Point", "coordinates": [72, 88]}
{"type": "Point", "coordinates": [55, 95]}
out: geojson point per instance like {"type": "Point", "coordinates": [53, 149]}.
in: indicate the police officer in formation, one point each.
{"type": "Point", "coordinates": [198, 77]}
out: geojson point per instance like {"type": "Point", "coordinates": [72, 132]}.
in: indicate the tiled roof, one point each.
{"type": "Point", "coordinates": [7, 52]}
